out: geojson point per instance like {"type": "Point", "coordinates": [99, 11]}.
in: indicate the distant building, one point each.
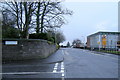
{"type": "Point", "coordinates": [103, 40]}
{"type": "Point", "coordinates": [78, 45]}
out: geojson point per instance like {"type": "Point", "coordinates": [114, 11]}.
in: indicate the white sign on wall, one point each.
{"type": "Point", "coordinates": [11, 42]}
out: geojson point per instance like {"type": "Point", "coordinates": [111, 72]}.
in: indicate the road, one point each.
{"type": "Point", "coordinates": [75, 64]}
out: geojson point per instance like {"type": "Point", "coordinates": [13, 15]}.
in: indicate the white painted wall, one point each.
{"type": "Point", "coordinates": [110, 43]}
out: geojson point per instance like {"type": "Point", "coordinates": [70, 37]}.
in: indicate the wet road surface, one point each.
{"type": "Point", "coordinates": [65, 64]}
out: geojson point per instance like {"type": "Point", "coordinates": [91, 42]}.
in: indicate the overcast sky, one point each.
{"type": "Point", "coordinates": [90, 17]}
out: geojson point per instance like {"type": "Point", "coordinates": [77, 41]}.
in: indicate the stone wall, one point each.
{"type": "Point", "coordinates": [27, 49]}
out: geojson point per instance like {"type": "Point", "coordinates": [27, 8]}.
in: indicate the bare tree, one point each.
{"type": "Point", "coordinates": [50, 15]}
{"type": "Point", "coordinates": [76, 43]}
{"type": "Point", "coordinates": [8, 25]}
{"type": "Point", "coordinates": [40, 16]}
{"type": "Point", "coordinates": [29, 9]}
{"type": "Point", "coordinates": [68, 44]}
{"type": "Point", "coordinates": [59, 37]}
{"type": "Point", "coordinates": [23, 12]}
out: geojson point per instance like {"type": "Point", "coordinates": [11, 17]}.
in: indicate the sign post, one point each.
{"type": "Point", "coordinates": [99, 45]}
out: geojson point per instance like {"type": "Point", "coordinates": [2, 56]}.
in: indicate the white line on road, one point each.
{"type": "Point", "coordinates": [63, 74]}
{"type": "Point", "coordinates": [55, 67]}
{"type": "Point", "coordinates": [54, 70]}
{"type": "Point", "coordinates": [66, 53]}
{"type": "Point", "coordinates": [56, 64]}
{"type": "Point", "coordinates": [28, 72]}
{"type": "Point", "coordinates": [62, 52]}
{"type": "Point", "coordinates": [62, 65]}
{"type": "Point", "coordinates": [104, 56]}
{"type": "Point", "coordinates": [62, 70]}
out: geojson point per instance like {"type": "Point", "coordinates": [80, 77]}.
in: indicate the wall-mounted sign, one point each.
{"type": "Point", "coordinates": [104, 41]}
{"type": "Point", "coordinates": [98, 42]}
{"type": "Point", "coordinates": [11, 42]}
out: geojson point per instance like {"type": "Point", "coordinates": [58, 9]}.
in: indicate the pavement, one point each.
{"type": "Point", "coordinates": [30, 69]}
{"type": "Point", "coordinates": [65, 64]}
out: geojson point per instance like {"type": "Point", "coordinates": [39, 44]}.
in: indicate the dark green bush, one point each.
{"type": "Point", "coordinates": [51, 39]}
{"type": "Point", "coordinates": [10, 32]}
{"type": "Point", "coordinates": [118, 42]}
{"type": "Point", "coordinates": [44, 36]}
{"type": "Point", "coordinates": [39, 36]}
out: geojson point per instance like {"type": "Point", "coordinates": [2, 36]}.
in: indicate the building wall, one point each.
{"type": "Point", "coordinates": [119, 20]}
{"type": "Point", "coordinates": [88, 42]}
{"type": "Point", "coordinates": [112, 41]}
{"type": "Point", "coordinates": [27, 49]}
{"type": "Point", "coordinates": [95, 40]}
{"type": "Point", "coordinates": [119, 37]}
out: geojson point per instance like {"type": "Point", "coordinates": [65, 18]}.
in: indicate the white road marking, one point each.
{"type": "Point", "coordinates": [62, 65]}
{"type": "Point", "coordinates": [65, 52]}
{"type": "Point", "coordinates": [55, 67]}
{"type": "Point", "coordinates": [28, 72]}
{"type": "Point", "coordinates": [54, 70]}
{"type": "Point", "coordinates": [56, 64]}
{"type": "Point", "coordinates": [63, 74]}
{"type": "Point", "coordinates": [105, 56]}
{"type": "Point", "coordinates": [62, 70]}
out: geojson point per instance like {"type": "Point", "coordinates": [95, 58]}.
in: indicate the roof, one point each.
{"type": "Point", "coordinates": [104, 33]}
